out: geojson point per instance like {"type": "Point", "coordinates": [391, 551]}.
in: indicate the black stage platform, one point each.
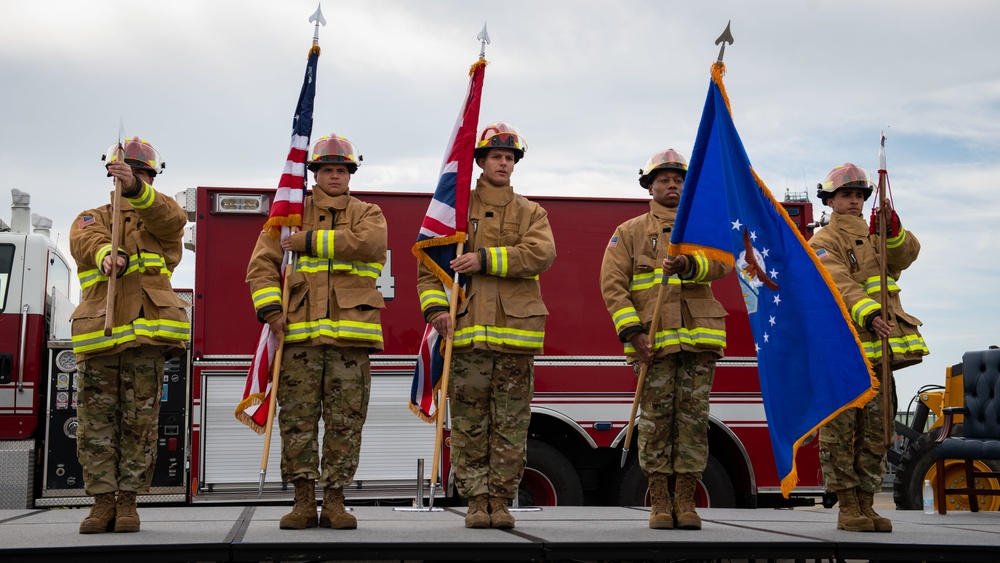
{"type": "Point", "coordinates": [250, 533]}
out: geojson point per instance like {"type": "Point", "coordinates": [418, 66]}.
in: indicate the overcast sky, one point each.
{"type": "Point", "coordinates": [595, 87]}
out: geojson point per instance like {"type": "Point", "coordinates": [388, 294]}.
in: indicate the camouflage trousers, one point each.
{"type": "Point", "coordinates": [852, 448]}
{"type": "Point", "coordinates": [673, 427]}
{"type": "Point", "coordinates": [490, 411]}
{"type": "Point", "coordinates": [118, 411]}
{"type": "Point", "coordinates": [326, 381]}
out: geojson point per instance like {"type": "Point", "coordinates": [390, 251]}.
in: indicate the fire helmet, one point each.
{"type": "Point", "coordinates": [664, 160]}
{"type": "Point", "coordinates": [334, 149]}
{"type": "Point", "coordinates": [500, 135]}
{"type": "Point", "coordinates": [846, 175]}
{"type": "Point", "coordinates": [138, 154]}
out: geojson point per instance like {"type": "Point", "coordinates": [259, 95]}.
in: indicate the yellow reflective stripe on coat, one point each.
{"type": "Point", "coordinates": [896, 241]}
{"type": "Point", "coordinates": [650, 279]}
{"type": "Point", "coordinates": [324, 243]}
{"type": "Point", "coordinates": [312, 265]}
{"type": "Point", "coordinates": [501, 336]}
{"type": "Point", "coordinates": [433, 297]}
{"type": "Point", "coordinates": [150, 328]}
{"type": "Point", "coordinates": [135, 264]}
{"type": "Point", "coordinates": [692, 337]}
{"type": "Point", "coordinates": [90, 277]}
{"type": "Point", "coordinates": [625, 316]}
{"type": "Point", "coordinates": [700, 267]}
{"type": "Point", "coordinates": [908, 344]}
{"type": "Point", "coordinates": [497, 260]}
{"type": "Point", "coordinates": [873, 284]}
{"type": "Point", "coordinates": [265, 296]}
{"type": "Point", "coordinates": [350, 330]}
{"type": "Point", "coordinates": [162, 328]}
{"type": "Point", "coordinates": [863, 308]}
{"type": "Point", "coordinates": [102, 252]}
{"type": "Point", "coordinates": [145, 197]}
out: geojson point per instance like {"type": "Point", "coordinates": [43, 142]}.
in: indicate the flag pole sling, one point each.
{"type": "Point", "coordinates": [116, 241]}
{"type": "Point", "coordinates": [445, 372]}
{"type": "Point", "coordinates": [654, 326]}
{"type": "Point", "coordinates": [887, 415]}
{"type": "Point", "coordinates": [275, 373]}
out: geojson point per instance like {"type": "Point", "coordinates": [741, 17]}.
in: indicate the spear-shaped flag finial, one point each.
{"type": "Point", "coordinates": [319, 19]}
{"type": "Point", "coordinates": [881, 153]}
{"type": "Point", "coordinates": [484, 40]}
{"type": "Point", "coordinates": [726, 37]}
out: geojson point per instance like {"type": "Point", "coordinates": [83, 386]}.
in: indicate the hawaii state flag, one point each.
{"type": "Point", "coordinates": [286, 212]}
{"type": "Point", "coordinates": [810, 361]}
{"type": "Point", "coordinates": [444, 226]}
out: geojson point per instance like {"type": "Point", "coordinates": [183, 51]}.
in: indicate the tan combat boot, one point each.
{"type": "Point", "coordinates": [303, 514]}
{"type": "Point", "coordinates": [850, 518]}
{"type": "Point", "coordinates": [334, 515]}
{"type": "Point", "coordinates": [477, 517]}
{"type": "Point", "coordinates": [865, 502]}
{"type": "Point", "coordinates": [126, 516]}
{"type": "Point", "coordinates": [500, 517]}
{"type": "Point", "coordinates": [102, 515]}
{"type": "Point", "coordinates": [661, 516]}
{"type": "Point", "coordinates": [684, 512]}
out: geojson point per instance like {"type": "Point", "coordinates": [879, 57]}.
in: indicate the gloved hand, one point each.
{"type": "Point", "coordinates": [891, 230]}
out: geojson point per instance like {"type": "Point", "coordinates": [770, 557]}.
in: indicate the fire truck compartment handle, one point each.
{"type": "Point", "coordinates": [20, 347]}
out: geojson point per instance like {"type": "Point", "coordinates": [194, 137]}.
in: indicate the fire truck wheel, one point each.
{"type": "Point", "coordinates": [549, 478]}
{"type": "Point", "coordinates": [714, 490]}
{"type": "Point", "coordinates": [917, 465]}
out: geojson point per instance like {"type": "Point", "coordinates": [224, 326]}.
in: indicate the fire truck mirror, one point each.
{"type": "Point", "coordinates": [6, 367]}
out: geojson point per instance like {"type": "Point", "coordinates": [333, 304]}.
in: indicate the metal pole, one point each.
{"type": "Point", "coordinates": [419, 500]}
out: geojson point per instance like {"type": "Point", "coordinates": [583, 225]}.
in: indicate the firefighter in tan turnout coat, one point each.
{"type": "Point", "coordinates": [852, 445]}
{"type": "Point", "coordinates": [120, 375]}
{"type": "Point", "coordinates": [499, 328]}
{"type": "Point", "coordinates": [332, 325]}
{"type": "Point", "coordinates": [673, 428]}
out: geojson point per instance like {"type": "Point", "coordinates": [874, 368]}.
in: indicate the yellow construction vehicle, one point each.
{"type": "Point", "coordinates": [913, 455]}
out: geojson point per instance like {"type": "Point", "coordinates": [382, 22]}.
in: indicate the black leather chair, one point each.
{"type": "Point", "coordinates": [981, 435]}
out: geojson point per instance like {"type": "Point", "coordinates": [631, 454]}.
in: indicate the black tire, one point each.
{"type": "Point", "coordinates": [715, 489]}
{"type": "Point", "coordinates": [917, 460]}
{"type": "Point", "coordinates": [907, 488]}
{"type": "Point", "coordinates": [549, 478]}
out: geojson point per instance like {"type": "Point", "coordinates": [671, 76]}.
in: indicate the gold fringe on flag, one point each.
{"type": "Point", "coordinates": [432, 265]}
{"type": "Point", "coordinates": [273, 225]}
{"type": "Point", "coordinates": [709, 252]}
{"type": "Point", "coordinates": [718, 71]}
{"type": "Point", "coordinates": [242, 416]}
{"type": "Point", "coordinates": [477, 64]}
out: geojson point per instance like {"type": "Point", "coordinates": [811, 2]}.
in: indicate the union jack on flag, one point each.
{"type": "Point", "coordinates": [444, 226]}
{"type": "Point", "coordinates": [286, 212]}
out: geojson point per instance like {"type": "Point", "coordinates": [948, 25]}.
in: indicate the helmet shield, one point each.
{"type": "Point", "coordinates": [138, 153]}
{"type": "Point", "coordinates": [846, 175]}
{"type": "Point", "coordinates": [669, 159]}
{"type": "Point", "coordinates": [500, 135]}
{"type": "Point", "coordinates": [334, 149]}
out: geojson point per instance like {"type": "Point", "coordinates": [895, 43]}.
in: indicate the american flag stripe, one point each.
{"type": "Point", "coordinates": [286, 212]}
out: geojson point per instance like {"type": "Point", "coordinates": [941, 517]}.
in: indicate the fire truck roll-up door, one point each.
{"type": "Point", "coordinates": [392, 440]}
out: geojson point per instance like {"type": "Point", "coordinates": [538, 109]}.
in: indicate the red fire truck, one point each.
{"type": "Point", "coordinates": [583, 389]}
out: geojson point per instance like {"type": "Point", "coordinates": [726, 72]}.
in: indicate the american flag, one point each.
{"type": "Point", "coordinates": [286, 213]}
{"type": "Point", "coordinates": [443, 227]}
